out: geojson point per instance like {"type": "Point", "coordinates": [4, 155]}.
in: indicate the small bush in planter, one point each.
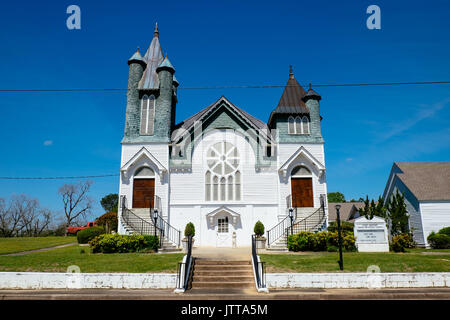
{"type": "Point", "coordinates": [258, 229]}
{"type": "Point", "coordinates": [189, 230]}
{"type": "Point", "coordinates": [86, 235]}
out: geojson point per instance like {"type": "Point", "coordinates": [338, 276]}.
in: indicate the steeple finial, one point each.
{"type": "Point", "coordinates": [156, 30]}
{"type": "Point", "coordinates": [310, 86]}
{"type": "Point", "coordinates": [291, 73]}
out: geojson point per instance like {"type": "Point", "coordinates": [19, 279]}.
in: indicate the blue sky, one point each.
{"type": "Point", "coordinates": [213, 43]}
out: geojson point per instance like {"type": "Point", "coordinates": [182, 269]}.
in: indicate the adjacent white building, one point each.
{"type": "Point", "coordinates": [221, 169]}
{"type": "Point", "coordinates": [426, 187]}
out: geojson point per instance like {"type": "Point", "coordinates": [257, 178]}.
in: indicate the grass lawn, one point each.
{"type": "Point", "coordinates": [59, 259]}
{"type": "Point", "coordinates": [13, 245]}
{"type": "Point", "coordinates": [413, 261]}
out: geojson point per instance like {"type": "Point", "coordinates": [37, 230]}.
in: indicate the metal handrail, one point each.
{"type": "Point", "coordinates": [166, 230]}
{"type": "Point", "coordinates": [184, 269]}
{"type": "Point", "coordinates": [310, 222]}
{"type": "Point", "coordinates": [259, 267]}
{"type": "Point", "coordinates": [280, 229]}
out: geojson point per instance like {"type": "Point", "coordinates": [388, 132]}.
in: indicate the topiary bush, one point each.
{"type": "Point", "coordinates": [86, 235]}
{"type": "Point", "coordinates": [439, 240]}
{"type": "Point", "coordinates": [258, 229]}
{"type": "Point", "coordinates": [189, 230]}
{"type": "Point", "coordinates": [115, 243]}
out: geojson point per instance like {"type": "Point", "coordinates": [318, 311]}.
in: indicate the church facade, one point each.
{"type": "Point", "coordinates": [221, 169]}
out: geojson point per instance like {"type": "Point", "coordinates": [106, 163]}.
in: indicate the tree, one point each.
{"type": "Point", "coordinates": [110, 202]}
{"type": "Point", "coordinates": [23, 217]}
{"type": "Point", "coordinates": [335, 197]}
{"type": "Point", "coordinates": [77, 203]}
{"type": "Point", "coordinates": [372, 209]}
{"type": "Point", "coordinates": [398, 214]}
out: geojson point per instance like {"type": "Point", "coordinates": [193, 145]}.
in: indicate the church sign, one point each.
{"type": "Point", "coordinates": [371, 235]}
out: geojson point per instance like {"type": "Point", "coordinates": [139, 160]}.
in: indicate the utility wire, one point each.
{"type": "Point", "coordinates": [239, 87]}
{"type": "Point", "coordinates": [59, 178]}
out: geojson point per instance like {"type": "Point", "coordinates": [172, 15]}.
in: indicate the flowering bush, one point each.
{"type": "Point", "coordinates": [402, 241]}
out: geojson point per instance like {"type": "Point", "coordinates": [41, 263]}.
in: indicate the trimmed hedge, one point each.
{"type": "Point", "coordinates": [439, 240]}
{"type": "Point", "coordinates": [345, 226]}
{"type": "Point", "coordinates": [321, 241]}
{"type": "Point", "coordinates": [86, 235]}
{"type": "Point", "coordinates": [445, 230]}
{"type": "Point", "coordinates": [116, 243]}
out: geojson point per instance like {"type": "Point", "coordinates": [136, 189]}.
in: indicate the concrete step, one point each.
{"type": "Point", "coordinates": [221, 284]}
{"type": "Point", "coordinates": [229, 273]}
{"type": "Point", "coordinates": [217, 278]}
{"type": "Point", "coordinates": [222, 267]}
{"type": "Point", "coordinates": [199, 262]}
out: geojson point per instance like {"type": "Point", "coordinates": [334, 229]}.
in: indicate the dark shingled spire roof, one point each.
{"type": "Point", "coordinates": [153, 57]}
{"type": "Point", "coordinates": [311, 94]}
{"type": "Point", "coordinates": [291, 101]}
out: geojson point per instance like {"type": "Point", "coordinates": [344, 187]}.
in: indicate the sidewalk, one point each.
{"type": "Point", "coordinates": [208, 294]}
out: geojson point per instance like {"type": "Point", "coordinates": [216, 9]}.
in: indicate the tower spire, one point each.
{"type": "Point", "coordinates": [156, 30]}
{"type": "Point", "coordinates": [291, 73]}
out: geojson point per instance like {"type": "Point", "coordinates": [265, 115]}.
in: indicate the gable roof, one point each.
{"type": "Point", "coordinates": [202, 114]}
{"type": "Point", "coordinates": [301, 151]}
{"type": "Point", "coordinates": [426, 180]}
{"type": "Point", "coordinates": [347, 211]}
{"type": "Point", "coordinates": [291, 101]}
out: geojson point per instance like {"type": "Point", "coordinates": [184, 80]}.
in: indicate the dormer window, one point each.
{"type": "Point", "coordinates": [147, 114]}
{"type": "Point", "coordinates": [298, 125]}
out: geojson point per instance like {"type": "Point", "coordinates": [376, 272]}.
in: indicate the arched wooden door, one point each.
{"type": "Point", "coordinates": [302, 192]}
{"type": "Point", "coordinates": [143, 193]}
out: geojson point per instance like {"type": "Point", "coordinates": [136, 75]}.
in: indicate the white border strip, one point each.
{"type": "Point", "coordinates": [48, 280]}
{"type": "Point", "coordinates": [358, 280]}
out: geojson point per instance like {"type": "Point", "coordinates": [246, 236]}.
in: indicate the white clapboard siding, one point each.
{"type": "Point", "coordinates": [435, 216]}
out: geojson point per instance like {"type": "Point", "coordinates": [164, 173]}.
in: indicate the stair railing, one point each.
{"type": "Point", "coordinates": [259, 267]}
{"type": "Point", "coordinates": [184, 268]}
{"type": "Point", "coordinates": [279, 230]}
{"type": "Point", "coordinates": [134, 222]}
{"type": "Point", "coordinates": [165, 229]}
{"type": "Point", "coordinates": [311, 222]}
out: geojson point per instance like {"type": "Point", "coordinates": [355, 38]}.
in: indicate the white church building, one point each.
{"type": "Point", "coordinates": [221, 169]}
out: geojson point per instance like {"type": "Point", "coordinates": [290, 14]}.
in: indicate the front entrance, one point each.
{"type": "Point", "coordinates": [302, 192]}
{"type": "Point", "coordinates": [224, 238]}
{"type": "Point", "coordinates": [143, 193]}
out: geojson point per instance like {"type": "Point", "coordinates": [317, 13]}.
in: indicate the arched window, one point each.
{"type": "Point", "coordinates": [298, 125]}
{"type": "Point", "coordinates": [291, 125]}
{"type": "Point", "coordinates": [222, 160]}
{"type": "Point", "coordinates": [147, 114]}
{"type": "Point", "coordinates": [305, 125]}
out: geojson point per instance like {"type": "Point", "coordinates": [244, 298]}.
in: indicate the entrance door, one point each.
{"type": "Point", "coordinates": [302, 192]}
{"type": "Point", "coordinates": [143, 193]}
{"type": "Point", "coordinates": [223, 233]}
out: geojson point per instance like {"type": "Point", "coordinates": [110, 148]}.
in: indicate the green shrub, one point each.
{"type": "Point", "coordinates": [439, 240]}
{"type": "Point", "coordinates": [345, 226]}
{"type": "Point", "coordinates": [332, 249]}
{"type": "Point", "coordinates": [115, 243]}
{"type": "Point", "coordinates": [108, 221]}
{"type": "Point", "coordinates": [152, 242]}
{"type": "Point", "coordinates": [401, 242]}
{"type": "Point", "coordinates": [445, 230]}
{"type": "Point", "coordinates": [320, 241]}
{"type": "Point", "coordinates": [259, 228]}
{"type": "Point", "coordinates": [189, 230]}
{"type": "Point", "coordinates": [86, 235]}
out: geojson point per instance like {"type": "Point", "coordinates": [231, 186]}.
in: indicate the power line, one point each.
{"type": "Point", "coordinates": [59, 178]}
{"type": "Point", "coordinates": [237, 87]}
